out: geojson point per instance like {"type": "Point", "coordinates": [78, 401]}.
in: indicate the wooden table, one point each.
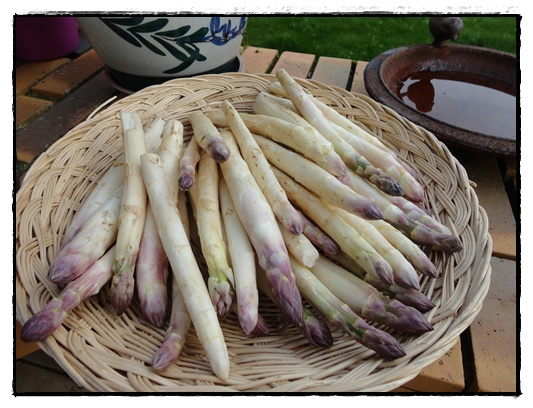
{"type": "Point", "coordinates": [484, 358]}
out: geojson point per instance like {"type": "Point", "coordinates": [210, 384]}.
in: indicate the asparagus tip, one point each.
{"type": "Point", "coordinates": [373, 212]}
{"type": "Point", "coordinates": [448, 243]}
{"type": "Point", "coordinates": [408, 319]}
{"type": "Point", "coordinates": [219, 152]}
{"type": "Point", "coordinates": [41, 325]}
{"type": "Point", "coordinates": [121, 293]}
{"type": "Point", "coordinates": [261, 328]}
{"type": "Point", "coordinates": [390, 186]}
{"type": "Point", "coordinates": [185, 181]}
{"type": "Point", "coordinates": [248, 319]}
{"type": "Point", "coordinates": [316, 331]}
{"type": "Point", "coordinates": [382, 343]}
{"type": "Point", "coordinates": [166, 355]}
{"type": "Point", "coordinates": [154, 309]}
{"type": "Point", "coordinates": [221, 295]}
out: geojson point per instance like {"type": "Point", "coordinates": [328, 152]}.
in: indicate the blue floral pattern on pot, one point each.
{"type": "Point", "coordinates": [178, 42]}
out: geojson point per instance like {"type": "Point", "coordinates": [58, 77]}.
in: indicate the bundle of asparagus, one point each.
{"type": "Point", "coordinates": [292, 201]}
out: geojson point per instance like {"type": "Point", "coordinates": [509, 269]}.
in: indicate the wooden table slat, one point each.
{"type": "Point", "coordinates": [296, 64]}
{"type": "Point", "coordinates": [333, 71]}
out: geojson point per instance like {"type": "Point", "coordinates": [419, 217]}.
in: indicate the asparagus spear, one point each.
{"type": "Point", "coordinates": [408, 248]}
{"type": "Point", "coordinates": [418, 214]}
{"type": "Point", "coordinates": [403, 270]}
{"type": "Point", "coordinates": [318, 237]}
{"type": "Point", "coordinates": [349, 241]}
{"type": "Point", "coordinates": [367, 301]}
{"type": "Point", "coordinates": [180, 319]}
{"type": "Point", "coordinates": [385, 161]}
{"type": "Point", "coordinates": [96, 236]}
{"type": "Point", "coordinates": [151, 273]}
{"type": "Point", "coordinates": [188, 162]}
{"type": "Point", "coordinates": [391, 213]}
{"type": "Point", "coordinates": [184, 266]}
{"type": "Point", "coordinates": [48, 319]}
{"type": "Point", "coordinates": [298, 138]}
{"type": "Point", "coordinates": [242, 260]}
{"type": "Point", "coordinates": [316, 179]}
{"type": "Point", "coordinates": [417, 231]}
{"type": "Point", "coordinates": [352, 158]}
{"type": "Point", "coordinates": [313, 329]}
{"type": "Point", "coordinates": [260, 224]}
{"type": "Point", "coordinates": [300, 247]}
{"type": "Point", "coordinates": [208, 137]}
{"type": "Point", "coordinates": [112, 179]}
{"type": "Point", "coordinates": [278, 94]}
{"type": "Point", "coordinates": [132, 214]}
{"type": "Point", "coordinates": [175, 336]}
{"type": "Point", "coordinates": [404, 294]}
{"type": "Point", "coordinates": [340, 314]}
{"type": "Point", "coordinates": [204, 196]}
{"type": "Point", "coordinates": [265, 105]}
{"type": "Point", "coordinates": [258, 164]}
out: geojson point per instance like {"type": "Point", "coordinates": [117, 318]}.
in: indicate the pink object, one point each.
{"type": "Point", "coordinates": [43, 38]}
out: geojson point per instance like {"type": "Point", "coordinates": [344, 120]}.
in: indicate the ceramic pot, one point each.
{"type": "Point", "coordinates": [141, 50]}
{"type": "Point", "coordinates": [44, 38]}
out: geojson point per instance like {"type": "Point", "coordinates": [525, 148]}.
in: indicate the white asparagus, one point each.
{"type": "Point", "coordinates": [340, 314]}
{"type": "Point", "coordinates": [208, 137]}
{"type": "Point", "coordinates": [296, 137]}
{"type": "Point", "coordinates": [300, 248]}
{"type": "Point", "coordinates": [318, 237]}
{"type": "Point", "coordinates": [242, 257]}
{"type": "Point", "coordinates": [385, 161]}
{"type": "Point", "coordinates": [260, 168]}
{"type": "Point", "coordinates": [412, 252]}
{"type": "Point", "coordinates": [316, 179]}
{"type": "Point", "coordinates": [48, 319]}
{"type": "Point", "coordinates": [403, 270]}
{"type": "Point", "coordinates": [204, 196]}
{"type": "Point", "coordinates": [185, 267]}
{"type": "Point", "coordinates": [261, 226]}
{"type": "Point", "coordinates": [112, 179]}
{"type": "Point", "coordinates": [151, 269]}
{"type": "Point", "coordinates": [180, 319]}
{"type": "Point", "coordinates": [346, 237]}
{"type": "Point", "coordinates": [96, 235]}
{"type": "Point", "coordinates": [188, 163]}
{"type": "Point", "coordinates": [176, 334]}
{"type": "Point", "coordinates": [132, 214]}
{"type": "Point", "coordinates": [313, 329]}
{"type": "Point", "coordinates": [353, 159]}
{"type": "Point", "coordinates": [419, 214]}
{"type": "Point", "coordinates": [265, 105]}
{"type": "Point", "coordinates": [391, 213]}
{"type": "Point", "coordinates": [367, 301]}
{"type": "Point", "coordinates": [277, 94]}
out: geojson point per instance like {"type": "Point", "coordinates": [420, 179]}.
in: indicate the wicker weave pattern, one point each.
{"type": "Point", "coordinates": [103, 352]}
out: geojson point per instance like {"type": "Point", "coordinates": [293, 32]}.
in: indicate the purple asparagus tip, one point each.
{"type": "Point", "coordinates": [373, 212]}
{"type": "Point", "coordinates": [166, 355]}
{"type": "Point", "coordinates": [219, 151]}
{"type": "Point", "coordinates": [261, 328]}
{"type": "Point", "coordinates": [407, 319]}
{"type": "Point", "coordinates": [316, 331]}
{"type": "Point", "coordinates": [43, 323]}
{"type": "Point", "coordinates": [68, 268]}
{"type": "Point", "coordinates": [448, 243]}
{"type": "Point", "coordinates": [382, 343]}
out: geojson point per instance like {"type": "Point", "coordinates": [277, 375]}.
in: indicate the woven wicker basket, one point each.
{"type": "Point", "coordinates": [106, 353]}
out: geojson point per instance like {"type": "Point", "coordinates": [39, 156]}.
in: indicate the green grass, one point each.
{"type": "Point", "coordinates": [363, 38]}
